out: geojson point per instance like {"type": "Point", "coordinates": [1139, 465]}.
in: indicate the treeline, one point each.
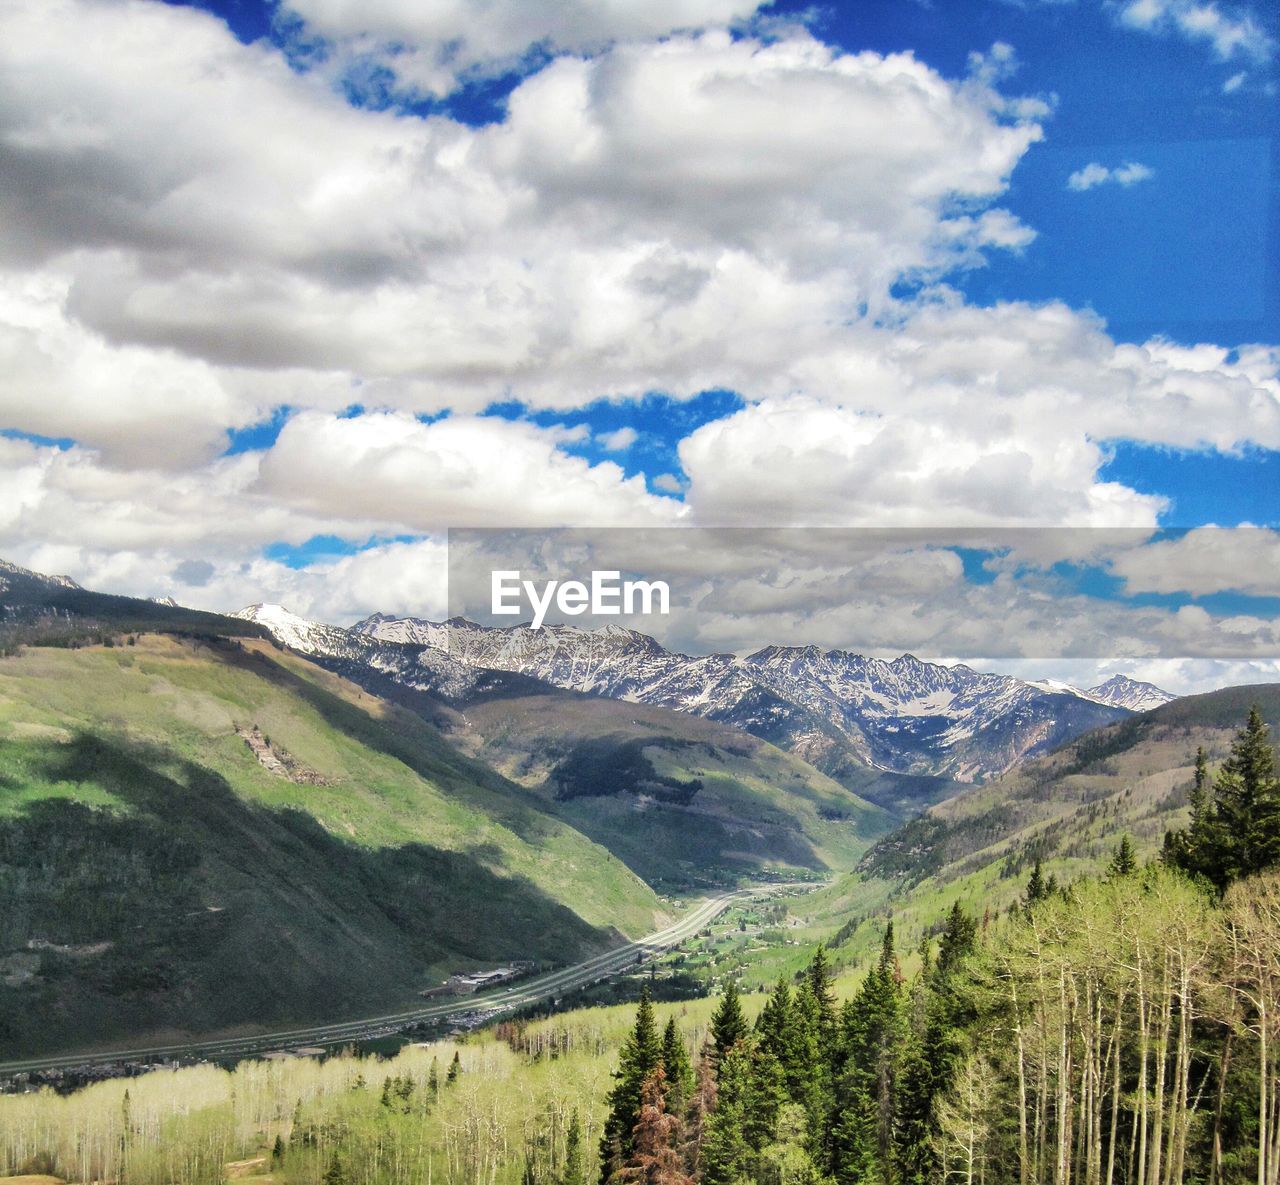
{"type": "Point", "coordinates": [1118, 1031]}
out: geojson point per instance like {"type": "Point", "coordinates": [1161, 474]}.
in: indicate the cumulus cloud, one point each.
{"type": "Point", "coordinates": [1007, 407]}
{"type": "Point", "coordinates": [1206, 560]}
{"type": "Point", "coordinates": [463, 471]}
{"type": "Point", "coordinates": [664, 215]}
{"type": "Point", "coordinates": [431, 47]}
{"type": "Point", "coordinates": [1094, 174]}
{"type": "Point", "coordinates": [60, 379]}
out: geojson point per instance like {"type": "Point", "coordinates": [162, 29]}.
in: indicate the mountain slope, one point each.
{"type": "Point", "coordinates": [682, 801]}
{"type": "Point", "coordinates": [685, 802]}
{"type": "Point", "coordinates": [1067, 809]}
{"type": "Point", "coordinates": [205, 836]}
{"type": "Point", "coordinates": [840, 711]}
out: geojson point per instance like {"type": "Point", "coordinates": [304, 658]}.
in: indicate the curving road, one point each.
{"type": "Point", "coordinates": [497, 1000]}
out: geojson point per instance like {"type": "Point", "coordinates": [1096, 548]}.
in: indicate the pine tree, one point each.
{"type": "Point", "coordinates": [1125, 860]}
{"type": "Point", "coordinates": [277, 1150]}
{"type": "Point", "coordinates": [773, 1022]}
{"type": "Point", "coordinates": [958, 939]}
{"type": "Point", "coordinates": [1247, 804]}
{"type": "Point", "coordinates": [1199, 800]}
{"type": "Point", "coordinates": [641, 1054]}
{"type": "Point", "coordinates": [677, 1067]}
{"type": "Point", "coordinates": [820, 978]}
{"type": "Point", "coordinates": [335, 1174]}
{"type": "Point", "coordinates": [873, 1033]}
{"type": "Point", "coordinates": [455, 1068]}
{"type": "Point", "coordinates": [806, 1063]}
{"type": "Point", "coordinates": [728, 1025]}
{"type": "Point", "coordinates": [726, 1154]}
{"type": "Point", "coordinates": [574, 1170]}
{"type": "Point", "coordinates": [1037, 890]}
{"type": "Point", "coordinates": [1236, 832]}
{"type": "Point", "coordinates": [433, 1079]}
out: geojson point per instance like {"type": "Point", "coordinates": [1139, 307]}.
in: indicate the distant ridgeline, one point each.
{"type": "Point", "coordinates": [55, 611]}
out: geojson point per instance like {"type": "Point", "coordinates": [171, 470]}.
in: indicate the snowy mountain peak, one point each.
{"type": "Point", "coordinates": [11, 573]}
{"type": "Point", "coordinates": [905, 714]}
{"type": "Point", "coordinates": [1123, 692]}
{"type": "Point", "coordinates": [309, 637]}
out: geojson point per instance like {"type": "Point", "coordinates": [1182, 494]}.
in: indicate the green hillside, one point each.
{"type": "Point", "coordinates": [681, 800]}
{"type": "Point", "coordinates": [1067, 809]}
{"type": "Point", "coordinates": [201, 836]}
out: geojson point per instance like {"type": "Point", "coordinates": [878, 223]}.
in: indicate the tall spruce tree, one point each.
{"type": "Point", "coordinates": [806, 1064]}
{"type": "Point", "coordinates": [726, 1153]}
{"type": "Point", "coordinates": [1235, 832]}
{"type": "Point", "coordinates": [640, 1056]}
{"type": "Point", "coordinates": [728, 1024]}
{"type": "Point", "coordinates": [958, 939]}
{"type": "Point", "coordinates": [1037, 889]}
{"type": "Point", "coordinates": [1125, 860]}
{"type": "Point", "coordinates": [773, 1021]}
{"type": "Point", "coordinates": [821, 977]}
{"type": "Point", "coordinates": [873, 1031]}
{"type": "Point", "coordinates": [574, 1170]}
{"type": "Point", "coordinates": [677, 1067]}
{"type": "Point", "coordinates": [1247, 803]}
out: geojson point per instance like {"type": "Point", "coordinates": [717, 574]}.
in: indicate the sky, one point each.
{"type": "Point", "coordinates": [288, 290]}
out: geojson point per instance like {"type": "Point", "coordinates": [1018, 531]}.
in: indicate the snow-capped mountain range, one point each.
{"type": "Point", "coordinates": [833, 708]}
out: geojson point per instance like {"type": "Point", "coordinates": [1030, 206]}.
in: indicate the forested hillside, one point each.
{"type": "Point", "coordinates": [1066, 810]}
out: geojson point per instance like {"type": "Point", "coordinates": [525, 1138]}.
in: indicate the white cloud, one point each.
{"type": "Point", "coordinates": [432, 47]}
{"type": "Point", "coordinates": [1206, 560]}
{"type": "Point", "coordinates": [668, 215]}
{"type": "Point", "coordinates": [1229, 33]}
{"type": "Point", "coordinates": [1094, 174]}
{"type": "Point", "coordinates": [619, 441]}
{"type": "Point", "coordinates": [1234, 83]}
{"type": "Point", "coordinates": [464, 471]}
{"type": "Point", "coordinates": [965, 416]}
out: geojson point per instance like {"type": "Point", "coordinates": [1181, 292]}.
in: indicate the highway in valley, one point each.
{"type": "Point", "coordinates": [490, 1003]}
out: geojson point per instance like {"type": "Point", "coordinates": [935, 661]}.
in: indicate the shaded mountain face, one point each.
{"type": "Point", "coordinates": [840, 711]}
{"type": "Point", "coordinates": [55, 610]}
{"type": "Point", "coordinates": [681, 800]}
{"type": "Point", "coordinates": [201, 835]}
